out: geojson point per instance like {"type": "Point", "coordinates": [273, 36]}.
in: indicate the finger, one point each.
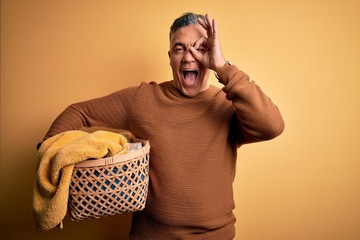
{"type": "Point", "coordinates": [202, 23]}
{"type": "Point", "coordinates": [209, 23]}
{"type": "Point", "coordinates": [196, 54]}
{"type": "Point", "coordinates": [215, 29]}
{"type": "Point", "coordinates": [200, 42]}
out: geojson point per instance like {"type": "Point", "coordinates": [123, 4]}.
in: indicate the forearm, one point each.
{"type": "Point", "coordinates": [74, 117]}
{"type": "Point", "coordinates": [111, 111]}
{"type": "Point", "coordinates": [258, 118]}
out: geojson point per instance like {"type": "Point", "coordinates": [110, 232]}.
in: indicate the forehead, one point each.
{"type": "Point", "coordinates": [187, 34]}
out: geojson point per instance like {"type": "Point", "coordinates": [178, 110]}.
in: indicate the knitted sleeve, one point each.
{"type": "Point", "coordinates": [257, 118]}
{"type": "Point", "coordinates": [111, 111]}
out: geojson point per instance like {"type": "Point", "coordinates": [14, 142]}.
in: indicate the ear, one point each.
{"type": "Point", "coordinates": [169, 55]}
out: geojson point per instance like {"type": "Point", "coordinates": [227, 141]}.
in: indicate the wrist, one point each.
{"type": "Point", "coordinates": [222, 69]}
{"type": "Point", "coordinates": [219, 65]}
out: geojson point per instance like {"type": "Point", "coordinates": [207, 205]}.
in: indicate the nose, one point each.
{"type": "Point", "coordinates": [188, 57]}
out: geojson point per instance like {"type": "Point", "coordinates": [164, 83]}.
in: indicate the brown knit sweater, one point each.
{"type": "Point", "coordinates": [194, 145]}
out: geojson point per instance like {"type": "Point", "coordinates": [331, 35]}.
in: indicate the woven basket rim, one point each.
{"type": "Point", "coordinates": [117, 158]}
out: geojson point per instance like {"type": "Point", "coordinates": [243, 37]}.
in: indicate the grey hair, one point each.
{"type": "Point", "coordinates": [184, 20]}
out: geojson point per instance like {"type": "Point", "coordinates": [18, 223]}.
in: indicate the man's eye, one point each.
{"type": "Point", "coordinates": [178, 49]}
{"type": "Point", "coordinates": [201, 49]}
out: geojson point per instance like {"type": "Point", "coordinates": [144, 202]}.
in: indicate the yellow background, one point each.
{"type": "Point", "coordinates": [304, 185]}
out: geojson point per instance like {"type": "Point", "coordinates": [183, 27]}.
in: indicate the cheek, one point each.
{"type": "Point", "coordinates": [205, 73]}
{"type": "Point", "coordinates": [175, 61]}
{"type": "Point", "coordinates": [171, 62]}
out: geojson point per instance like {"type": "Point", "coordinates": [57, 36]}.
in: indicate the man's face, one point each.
{"type": "Point", "coordinates": [190, 77]}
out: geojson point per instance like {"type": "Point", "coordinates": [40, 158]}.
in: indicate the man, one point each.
{"type": "Point", "coordinates": [194, 131]}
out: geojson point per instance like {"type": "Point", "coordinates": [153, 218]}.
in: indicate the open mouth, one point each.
{"type": "Point", "coordinates": [190, 76]}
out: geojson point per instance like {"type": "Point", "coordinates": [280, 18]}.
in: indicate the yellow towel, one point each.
{"type": "Point", "coordinates": [56, 159]}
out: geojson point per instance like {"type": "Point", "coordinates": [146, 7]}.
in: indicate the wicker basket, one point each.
{"type": "Point", "coordinates": [110, 186]}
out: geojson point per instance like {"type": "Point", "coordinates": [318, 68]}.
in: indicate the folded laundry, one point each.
{"type": "Point", "coordinates": [55, 162]}
{"type": "Point", "coordinates": [135, 146]}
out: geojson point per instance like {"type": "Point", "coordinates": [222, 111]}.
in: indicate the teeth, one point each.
{"type": "Point", "coordinates": [190, 70]}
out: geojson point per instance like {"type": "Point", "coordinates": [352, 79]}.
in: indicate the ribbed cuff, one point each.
{"type": "Point", "coordinates": [225, 73]}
